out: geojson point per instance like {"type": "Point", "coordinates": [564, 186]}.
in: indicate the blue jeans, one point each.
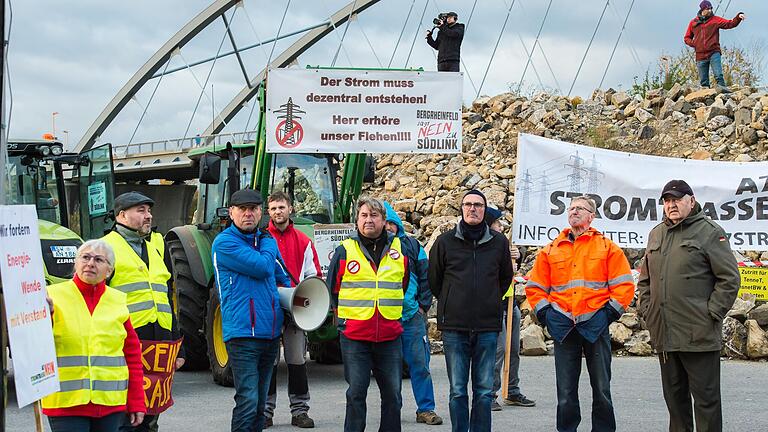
{"type": "Point", "coordinates": [251, 361]}
{"type": "Point", "coordinates": [513, 385]}
{"type": "Point", "coordinates": [567, 370]}
{"type": "Point", "coordinates": [717, 70]}
{"type": "Point", "coordinates": [107, 423]}
{"type": "Point", "coordinates": [416, 354]}
{"type": "Point", "coordinates": [463, 350]}
{"type": "Point", "coordinates": [385, 359]}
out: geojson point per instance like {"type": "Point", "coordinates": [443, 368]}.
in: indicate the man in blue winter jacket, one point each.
{"type": "Point", "coordinates": [416, 302]}
{"type": "Point", "coordinates": [247, 275]}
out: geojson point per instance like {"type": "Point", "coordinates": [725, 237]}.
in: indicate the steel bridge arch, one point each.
{"type": "Point", "coordinates": [187, 33]}
{"type": "Point", "coordinates": [284, 59]}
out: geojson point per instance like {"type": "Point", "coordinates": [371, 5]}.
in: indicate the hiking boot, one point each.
{"type": "Point", "coordinates": [495, 406]}
{"type": "Point", "coordinates": [429, 417]}
{"type": "Point", "coordinates": [303, 421]}
{"type": "Point", "coordinates": [268, 422]}
{"type": "Point", "coordinates": [519, 400]}
{"type": "Point", "coordinates": [723, 89]}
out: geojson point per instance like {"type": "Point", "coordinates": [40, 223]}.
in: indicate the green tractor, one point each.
{"type": "Point", "coordinates": [72, 193]}
{"type": "Point", "coordinates": [311, 180]}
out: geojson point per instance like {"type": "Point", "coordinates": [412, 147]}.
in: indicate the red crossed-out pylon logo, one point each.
{"type": "Point", "coordinates": [289, 132]}
{"type": "Point", "coordinates": [353, 267]}
{"type": "Point", "coordinates": [394, 254]}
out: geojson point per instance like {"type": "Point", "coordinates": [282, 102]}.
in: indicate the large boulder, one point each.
{"type": "Point", "coordinates": [718, 122]}
{"type": "Point", "coordinates": [630, 320]}
{"type": "Point", "coordinates": [532, 341]}
{"type": "Point", "coordinates": [643, 115]}
{"type": "Point", "coordinates": [734, 339]}
{"type": "Point", "coordinates": [620, 99]}
{"type": "Point", "coordinates": [701, 95]}
{"type": "Point", "coordinates": [757, 340]}
{"type": "Point", "coordinates": [620, 334]}
{"type": "Point", "coordinates": [741, 308]}
{"type": "Point", "coordinates": [759, 314]}
{"type": "Point", "coordinates": [640, 344]}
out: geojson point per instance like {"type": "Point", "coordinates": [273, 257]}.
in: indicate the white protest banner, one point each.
{"type": "Point", "coordinates": [327, 239]}
{"type": "Point", "coordinates": [29, 319]}
{"type": "Point", "coordinates": [627, 189]}
{"type": "Point", "coordinates": [363, 111]}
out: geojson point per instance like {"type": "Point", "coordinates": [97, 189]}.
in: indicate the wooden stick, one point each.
{"type": "Point", "coordinates": [39, 417]}
{"type": "Point", "coordinates": [507, 347]}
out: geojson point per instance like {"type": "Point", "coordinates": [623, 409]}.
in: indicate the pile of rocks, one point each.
{"type": "Point", "coordinates": [683, 122]}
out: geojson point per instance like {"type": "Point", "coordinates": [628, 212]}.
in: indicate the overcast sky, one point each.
{"type": "Point", "coordinates": [71, 57]}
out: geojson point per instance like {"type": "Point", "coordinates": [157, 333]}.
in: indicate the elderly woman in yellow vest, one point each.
{"type": "Point", "coordinates": [97, 350]}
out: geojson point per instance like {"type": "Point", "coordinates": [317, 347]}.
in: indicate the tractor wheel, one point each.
{"type": "Point", "coordinates": [217, 350]}
{"type": "Point", "coordinates": [189, 301]}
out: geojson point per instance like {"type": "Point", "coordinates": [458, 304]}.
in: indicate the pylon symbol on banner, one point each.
{"type": "Point", "coordinates": [289, 132]}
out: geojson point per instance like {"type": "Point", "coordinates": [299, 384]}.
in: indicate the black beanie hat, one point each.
{"type": "Point", "coordinates": [478, 193]}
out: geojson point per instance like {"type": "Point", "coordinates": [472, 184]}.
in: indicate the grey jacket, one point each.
{"type": "Point", "coordinates": [689, 280]}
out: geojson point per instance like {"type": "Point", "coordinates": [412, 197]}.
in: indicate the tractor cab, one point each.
{"type": "Point", "coordinates": [71, 192]}
{"type": "Point", "coordinates": [309, 179]}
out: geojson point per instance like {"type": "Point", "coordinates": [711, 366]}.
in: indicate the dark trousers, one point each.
{"type": "Point", "coordinates": [567, 371]}
{"type": "Point", "coordinates": [448, 66]}
{"type": "Point", "coordinates": [251, 361]}
{"type": "Point", "coordinates": [148, 425]}
{"type": "Point", "coordinates": [108, 423]}
{"type": "Point", "coordinates": [697, 374]}
{"type": "Point", "coordinates": [385, 359]}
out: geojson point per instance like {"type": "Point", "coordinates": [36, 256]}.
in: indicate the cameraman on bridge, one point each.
{"type": "Point", "coordinates": [448, 41]}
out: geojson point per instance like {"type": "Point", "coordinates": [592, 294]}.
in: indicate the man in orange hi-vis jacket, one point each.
{"type": "Point", "coordinates": [579, 284]}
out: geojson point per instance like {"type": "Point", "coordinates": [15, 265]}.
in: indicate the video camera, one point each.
{"type": "Point", "coordinates": [440, 20]}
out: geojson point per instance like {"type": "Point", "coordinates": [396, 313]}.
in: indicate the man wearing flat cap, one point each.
{"type": "Point", "coordinates": [247, 275]}
{"type": "Point", "coordinates": [688, 281]}
{"type": "Point", "coordinates": [141, 273]}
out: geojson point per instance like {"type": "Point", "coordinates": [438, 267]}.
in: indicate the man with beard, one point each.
{"type": "Point", "coordinates": [301, 262]}
{"type": "Point", "coordinates": [140, 272]}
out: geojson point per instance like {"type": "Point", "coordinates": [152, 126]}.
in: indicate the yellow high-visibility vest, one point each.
{"type": "Point", "coordinates": [146, 288]}
{"type": "Point", "coordinates": [363, 290]}
{"type": "Point", "coordinates": [89, 348]}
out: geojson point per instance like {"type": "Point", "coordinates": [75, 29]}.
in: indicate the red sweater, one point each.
{"type": "Point", "coordinates": [132, 350]}
{"type": "Point", "coordinates": [705, 37]}
{"type": "Point", "coordinates": [297, 250]}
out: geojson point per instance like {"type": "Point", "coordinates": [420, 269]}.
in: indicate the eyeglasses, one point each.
{"type": "Point", "coordinates": [100, 260]}
{"type": "Point", "coordinates": [579, 209]}
{"type": "Point", "coordinates": [469, 205]}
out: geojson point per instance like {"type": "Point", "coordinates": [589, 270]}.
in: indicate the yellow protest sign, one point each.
{"type": "Point", "coordinates": [754, 280]}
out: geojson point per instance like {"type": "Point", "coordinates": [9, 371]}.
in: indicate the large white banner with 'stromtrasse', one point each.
{"type": "Point", "coordinates": [627, 189]}
{"type": "Point", "coordinates": [363, 111]}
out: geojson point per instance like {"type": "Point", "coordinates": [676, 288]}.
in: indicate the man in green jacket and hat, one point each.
{"type": "Point", "coordinates": [689, 280]}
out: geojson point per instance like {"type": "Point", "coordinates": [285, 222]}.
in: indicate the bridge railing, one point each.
{"type": "Point", "coordinates": [122, 151]}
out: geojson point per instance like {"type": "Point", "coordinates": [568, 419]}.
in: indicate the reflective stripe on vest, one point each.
{"type": "Point", "coordinates": [366, 290]}
{"type": "Point", "coordinates": [89, 348]}
{"type": "Point", "coordinates": [146, 288]}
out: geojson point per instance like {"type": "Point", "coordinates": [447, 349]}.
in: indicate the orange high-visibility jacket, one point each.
{"type": "Point", "coordinates": [578, 278]}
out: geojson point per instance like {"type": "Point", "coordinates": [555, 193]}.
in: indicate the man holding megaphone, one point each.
{"type": "Point", "coordinates": [300, 259]}
{"type": "Point", "coordinates": [368, 276]}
